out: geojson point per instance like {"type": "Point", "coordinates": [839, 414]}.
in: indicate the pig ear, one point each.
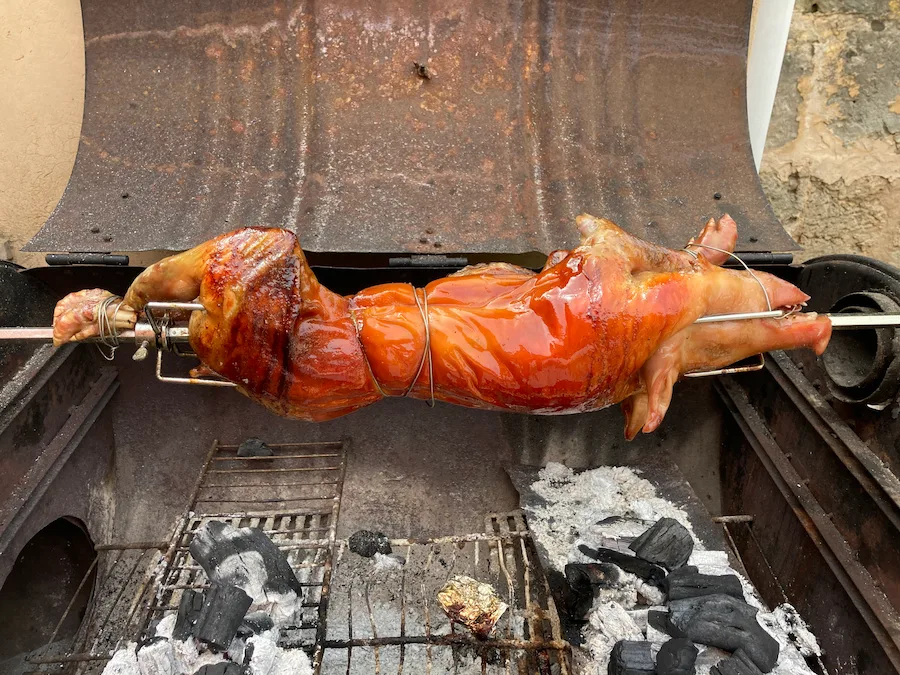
{"type": "Point", "coordinates": [555, 258]}
{"type": "Point", "coordinates": [591, 227]}
{"type": "Point", "coordinates": [719, 234]}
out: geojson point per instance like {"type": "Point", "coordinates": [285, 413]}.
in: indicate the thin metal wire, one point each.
{"type": "Point", "coordinates": [106, 327]}
{"type": "Point", "coordinates": [362, 349]}
{"type": "Point", "coordinates": [426, 352]}
{"type": "Point", "coordinates": [426, 349]}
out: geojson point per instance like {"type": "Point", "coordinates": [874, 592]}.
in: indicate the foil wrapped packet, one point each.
{"type": "Point", "coordinates": [473, 604]}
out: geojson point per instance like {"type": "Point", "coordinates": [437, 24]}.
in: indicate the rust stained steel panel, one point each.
{"type": "Point", "coordinates": [204, 116]}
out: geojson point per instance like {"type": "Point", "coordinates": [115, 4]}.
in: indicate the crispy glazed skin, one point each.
{"type": "Point", "coordinates": [609, 322]}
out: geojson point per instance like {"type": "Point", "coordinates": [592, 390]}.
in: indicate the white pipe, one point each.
{"type": "Point", "coordinates": [768, 39]}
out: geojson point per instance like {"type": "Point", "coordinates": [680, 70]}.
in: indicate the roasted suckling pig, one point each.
{"type": "Point", "coordinates": [611, 321]}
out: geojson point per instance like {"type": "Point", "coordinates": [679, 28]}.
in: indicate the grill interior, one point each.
{"type": "Point", "coordinates": [355, 618]}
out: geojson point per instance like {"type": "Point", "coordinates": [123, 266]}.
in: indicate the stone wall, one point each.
{"type": "Point", "coordinates": [832, 161]}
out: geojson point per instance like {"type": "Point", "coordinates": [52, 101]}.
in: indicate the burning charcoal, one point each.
{"type": "Point", "coordinates": [189, 610]}
{"type": "Point", "coordinates": [224, 668]}
{"type": "Point", "coordinates": [647, 571]}
{"type": "Point", "coordinates": [667, 543]}
{"type": "Point", "coordinates": [725, 622]}
{"type": "Point", "coordinates": [687, 582]}
{"type": "Point", "coordinates": [367, 544]}
{"type": "Point", "coordinates": [676, 657]}
{"type": "Point", "coordinates": [631, 658]}
{"type": "Point", "coordinates": [223, 610]}
{"type": "Point", "coordinates": [245, 558]}
{"type": "Point", "coordinates": [255, 624]}
{"type": "Point", "coordinates": [473, 604]}
{"type": "Point", "coordinates": [736, 664]}
{"type": "Point", "coordinates": [254, 447]}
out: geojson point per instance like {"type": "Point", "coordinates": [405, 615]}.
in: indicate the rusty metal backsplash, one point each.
{"type": "Point", "coordinates": [405, 126]}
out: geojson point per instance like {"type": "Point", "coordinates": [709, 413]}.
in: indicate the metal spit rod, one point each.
{"type": "Point", "coordinates": [174, 334]}
{"type": "Point", "coordinates": [180, 333]}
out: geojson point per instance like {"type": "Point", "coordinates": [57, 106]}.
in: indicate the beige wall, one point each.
{"type": "Point", "coordinates": [831, 168]}
{"type": "Point", "coordinates": [41, 99]}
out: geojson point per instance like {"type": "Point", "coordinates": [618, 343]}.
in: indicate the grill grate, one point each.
{"type": "Point", "coordinates": [294, 497]}
{"type": "Point", "coordinates": [390, 621]}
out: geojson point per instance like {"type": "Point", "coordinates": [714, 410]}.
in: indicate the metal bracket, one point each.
{"type": "Point", "coordinates": [751, 368]}
{"type": "Point", "coordinates": [211, 382]}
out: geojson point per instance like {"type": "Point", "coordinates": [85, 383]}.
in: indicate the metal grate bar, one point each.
{"type": "Point", "coordinates": [293, 469]}
{"type": "Point", "coordinates": [269, 458]}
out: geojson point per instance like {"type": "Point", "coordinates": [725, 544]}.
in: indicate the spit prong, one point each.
{"type": "Point", "coordinates": [847, 321]}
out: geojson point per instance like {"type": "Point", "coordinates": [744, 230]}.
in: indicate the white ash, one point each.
{"type": "Point", "coordinates": [786, 619]}
{"type": "Point", "coordinates": [387, 563]}
{"type": "Point", "coordinates": [163, 657]}
{"type": "Point", "coordinates": [640, 617]}
{"type": "Point", "coordinates": [575, 505]}
{"type": "Point", "coordinates": [270, 659]}
{"type": "Point", "coordinates": [649, 595]}
{"type": "Point", "coordinates": [123, 662]}
{"type": "Point", "coordinates": [708, 657]}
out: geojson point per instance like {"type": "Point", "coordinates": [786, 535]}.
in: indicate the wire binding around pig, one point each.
{"type": "Point", "coordinates": [611, 321]}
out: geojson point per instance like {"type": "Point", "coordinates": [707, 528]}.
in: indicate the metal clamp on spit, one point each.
{"type": "Point", "coordinates": [169, 338]}
{"type": "Point", "coordinates": [158, 330]}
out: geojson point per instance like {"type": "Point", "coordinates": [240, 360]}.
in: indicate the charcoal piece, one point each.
{"type": "Point", "coordinates": [652, 574]}
{"type": "Point", "coordinates": [610, 520]}
{"type": "Point", "coordinates": [367, 544]}
{"type": "Point", "coordinates": [255, 624]}
{"type": "Point", "coordinates": [223, 668]}
{"type": "Point", "coordinates": [666, 543]}
{"type": "Point", "coordinates": [738, 663]}
{"type": "Point", "coordinates": [630, 657]}
{"type": "Point", "coordinates": [189, 608]}
{"type": "Point", "coordinates": [660, 621]}
{"type": "Point", "coordinates": [584, 579]}
{"type": "Point", "coordinates": [587, 577]}
{"type": "Point", "coordinates": [254, 447]}
{"type": "Point", "coordinates": [150, 641]}
{"type": "Point", "coordinates": [725, 622]}
{"type": "Point", "coordinates": [687, 582]}
{"type": "Point", "coordinates": [248, 556]}
{"type": "Point", "coordinates": [676, 657]}
{"type": "Point", "coordinates": [744, 658]}
{"type": "Point", "coordinates": [224, 607]}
